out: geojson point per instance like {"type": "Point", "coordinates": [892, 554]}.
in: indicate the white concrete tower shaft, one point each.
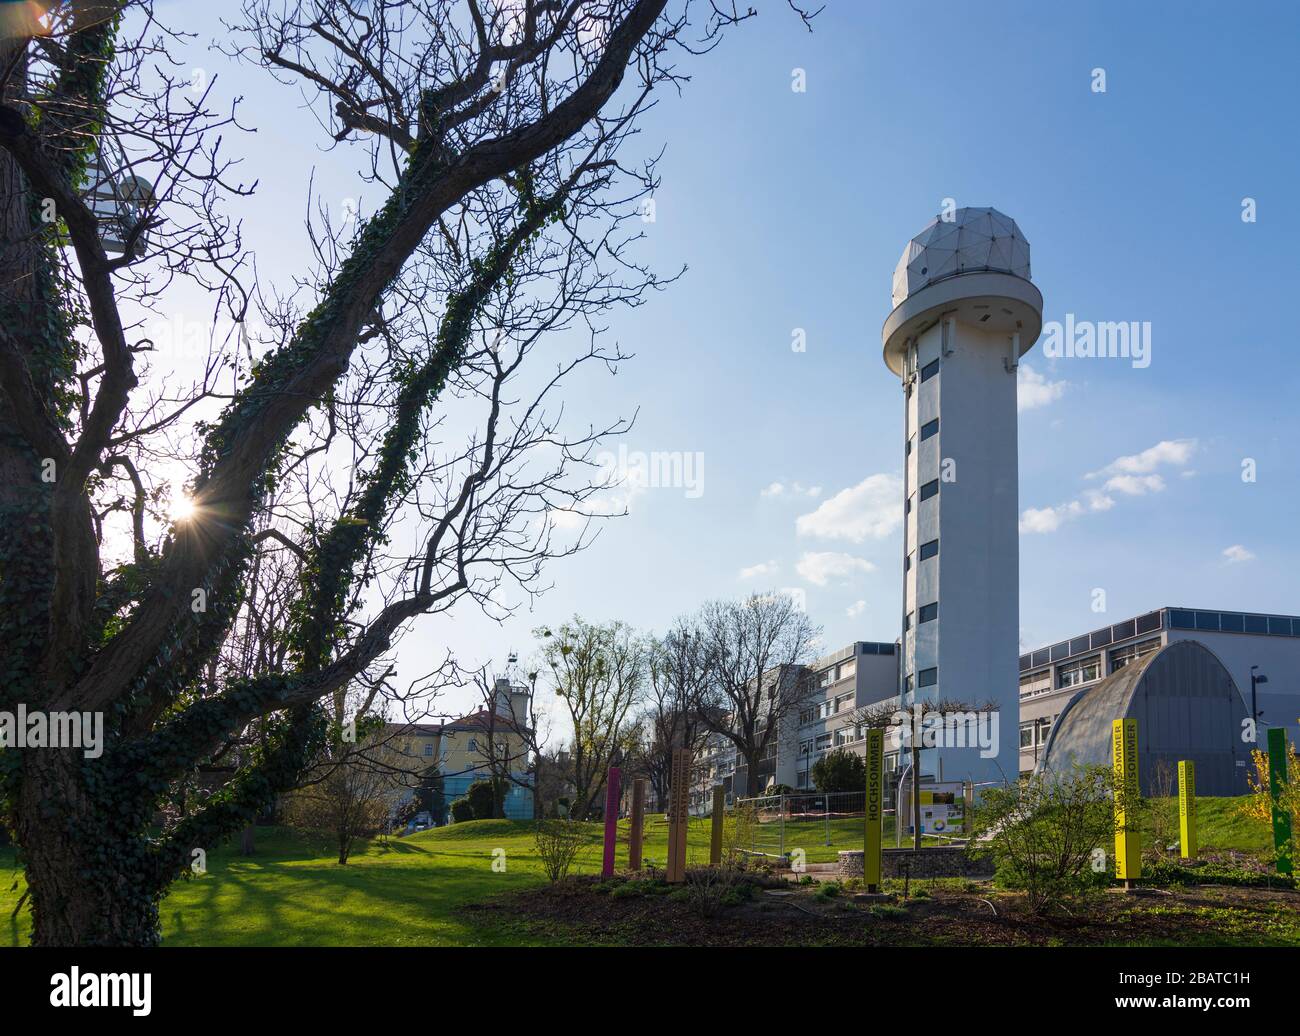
{"type": "Point", "coordinates": [964, 313]}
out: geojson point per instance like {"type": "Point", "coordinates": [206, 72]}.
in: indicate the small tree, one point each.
{"type": "Point", "coordinates": [1042, 831]}
{"type": "Point", "coordinates": [558, 843]}
{"type": "Point", "coordinates": [839, 771]}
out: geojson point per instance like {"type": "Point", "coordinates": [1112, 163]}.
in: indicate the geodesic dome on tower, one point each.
{"type": "Point", "coordinates": [975, 240]}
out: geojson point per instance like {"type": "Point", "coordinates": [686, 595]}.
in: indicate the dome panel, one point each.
{"type": "Point", "coordinates": [974, 239]}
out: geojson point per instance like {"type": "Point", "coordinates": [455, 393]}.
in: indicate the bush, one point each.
{"type": "Point", "coordinates": [710, 889]}
{"type": "Point", "coordinates": [487, 799]}
{"type": "Point", "coordinates": [461, 810]}
{"type": "Point", "coordinates": [1041, 832]}
{"type": "Point", "coordinates": [558, 842]}
{"type": "Point", "coordinates": [839, 771]}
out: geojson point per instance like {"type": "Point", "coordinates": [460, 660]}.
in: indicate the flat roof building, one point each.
{"type": "Point", "coordinates": [1051, 676]}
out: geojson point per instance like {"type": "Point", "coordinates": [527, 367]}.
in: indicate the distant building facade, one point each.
{"type": "Point", "coordinates": [1051, 676]}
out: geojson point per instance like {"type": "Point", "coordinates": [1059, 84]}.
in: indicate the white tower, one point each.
{"type": "Point", "coordinates": [964, 313]}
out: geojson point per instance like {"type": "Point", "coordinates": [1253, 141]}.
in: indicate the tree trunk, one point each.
{"type": "Point", "coordinates": [246, 843]}
{"type": "Point", "coordinates": [84, 876]}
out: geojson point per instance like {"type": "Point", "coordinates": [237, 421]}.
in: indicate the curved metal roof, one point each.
{"type": "Point", "coordinates": [1187, 707]}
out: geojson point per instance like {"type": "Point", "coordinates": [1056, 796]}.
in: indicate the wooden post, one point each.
{"type": "Point", "coordinates": [613, 792]}
{"type": "Point", "coordinates": [1187, 809]}
{"type": "Point", "coordinates": [1128, 838]}
{"type": "Point", "coordinates": [1276, 783]}
{"type": "Point", "coordinates": [719, 815]}
{"type": "Point", "coordinates": [875, 810]}
{"type": "Point", "coordinates": [636, 825]}
{"type": "Point", "coordinates": [679, 800]}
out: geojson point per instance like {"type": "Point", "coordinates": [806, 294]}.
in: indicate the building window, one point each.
{"type": "Point", "coordinates": [927, 677]}
{"type": "Point", "coordinates": [1074, 673]}
{"type": "Point", "coordinates": [908, 508]}
{"type": "Point", "coordinates": [806, 716]}
{"type": "Point", "coordinates": [1037, 683]}
{"type": "Point", "coordinates": [801, 779]}
{"type": "Point", "coordinates": [805, 746]}
{"type": "Point", "coordinates": [908, 451]}
{"type": "Point", "coordinates": [844, 701]}
{"type": "Point", "coordinates": [473, 744]}
{"type": "Point", "coordinates": [909, 682]}
{"type": "Point", "coordinates": [929, 428]}
{"type": "Point", "coordinates": [930, 489]}
{"type": "Point", "coordinates": [929, 370]}
{"type": "Point", "coordinates": [1121, 657]}
{"type": "Point", "coordinates": [823, 742]}
{"type": "Point", "coordinates": [929, 550]}
{"type": "Point", "coordinates": [428, 750]}
{"type": "Point", "coordinates": [907, 621]}
{"type": "Point", "coordinates": [1026, 735]}
{"type": "Point", "coordinates": [928, 613]}
{"type": "Point", "coordinates": [848, 668]}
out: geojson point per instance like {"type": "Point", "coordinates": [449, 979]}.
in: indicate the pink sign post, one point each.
{"type": "Point", "coordinates": [612, 797]}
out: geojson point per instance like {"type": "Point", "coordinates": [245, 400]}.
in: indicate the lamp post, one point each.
{"type": "Point", "coordinates": [1255, 680]}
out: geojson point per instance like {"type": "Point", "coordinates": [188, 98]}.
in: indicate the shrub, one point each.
{"type": "Point", "coordinates": [828, 890]}
{"type": "Point", "coordinates": [885, 912]}
{"type": "Point", "coordinates": [461, 810]}
{"type": "Point", "coordinates": [710, 889]}
{"type": "Point", "coordinates": [487, 799]}
{"type": "Point", "coordinates": [558, 842]}
{"type": "Point", "coordinates": [839, 771]}
{"type": "Point", "coordinates": [1041, 832]}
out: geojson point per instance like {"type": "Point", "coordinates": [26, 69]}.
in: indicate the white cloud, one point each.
{"type": "Point", "coordinates": [872, 509]}
{"type": "Point", "coordinates": [1237, 553]}
{"type": "Point", "coordinates": [794, 489]}
{"type": "Point", "coordinates": [1132, 475]}
{"type": "Point", "coordinates": [1174, 452]}
{"type": "Point", "coordinates": [1033, 390]}
{"type": "Point", "coordinates": [820, 567]}
{"type": "Point", "coordinates": [1135, 485]}
{"type": "Point", "coordinates": [855, 609]}
{"type": "Point", "coordinates": [761, 570]}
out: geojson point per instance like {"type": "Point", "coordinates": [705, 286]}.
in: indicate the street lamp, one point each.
{"type": "Point", "coordinates": [1255, 680]}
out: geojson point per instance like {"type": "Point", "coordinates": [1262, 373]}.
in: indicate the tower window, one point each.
{"type": "Point", "coordinates": [929, 428]}
{"type": "Point", "coordinates": [928, 613]}
{"type": "Point", "coordinates": [929, 550]}
{"type": "Point", "coordinates": [927, 677]}
{"type": "Point", "coordinates": [930, 489]}
{"type": "Point", "coordinates": [929, 370]}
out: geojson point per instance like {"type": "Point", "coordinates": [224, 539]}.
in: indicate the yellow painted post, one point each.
{"type": "Point", "coordinates": [1187, 809]}
{"type": "Point", "coordinates": [875, 810]}
{"type": "Point", "coordinates": [719, 814]}
{"type": "Point", "coordinates": [636, 826]}
{"type": "Point", "coordinates": [1128, 839]}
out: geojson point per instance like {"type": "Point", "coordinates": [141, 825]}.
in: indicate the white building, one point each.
{"type": "Point", "coordinates": [964, 313]}
{"type": "Point", "coordinates": [1269, 644]}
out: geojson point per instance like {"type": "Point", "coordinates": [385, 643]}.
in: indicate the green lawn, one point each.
{"type": "Point", "coordinates": [415, 890]}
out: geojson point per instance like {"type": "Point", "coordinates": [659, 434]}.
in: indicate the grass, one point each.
{"type": "Point", "coordinates": [419, 890]}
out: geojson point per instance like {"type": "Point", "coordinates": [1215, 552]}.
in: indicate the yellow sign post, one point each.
{"type": "Point", "coordinates": [875, 809]}
{"type": "Point", "coordinates": [1128, 839]}
{"type": "Point", "coordinates": [1187, 809]}
{"type": "Point", "coordinates": [719, 816]}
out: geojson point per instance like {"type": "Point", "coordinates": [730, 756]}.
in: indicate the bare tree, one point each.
{"type": "Point", "coordinates": [388, 385]}
{"type": "Point", "coordinates": [909, 721]}
{"type": "Point", "coordinates": [598, 672]}
{"type": "Point", "coordinates": [677, 671]}
{"type": "Point", "coordinates": [757, 650]}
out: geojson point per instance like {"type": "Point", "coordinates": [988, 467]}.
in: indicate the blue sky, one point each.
{"type": "Point", "coordinates": [791, 209]}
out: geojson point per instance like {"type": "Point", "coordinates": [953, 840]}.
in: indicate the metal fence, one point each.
{"type": "Point", "coordinates": [811, 826]}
